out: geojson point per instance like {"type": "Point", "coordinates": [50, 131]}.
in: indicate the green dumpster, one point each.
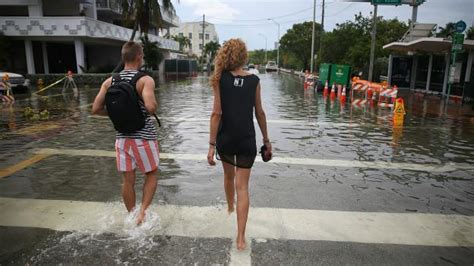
{"type": "Point", "coordinates": [324, 73]}
{"type": "Point", "coordinates": [341, 74]}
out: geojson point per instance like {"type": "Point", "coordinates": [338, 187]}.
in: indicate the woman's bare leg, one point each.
{"type": "Point", "coordinates": [242, 185]}
{"type": "Point", "coordinates": [229, 185]}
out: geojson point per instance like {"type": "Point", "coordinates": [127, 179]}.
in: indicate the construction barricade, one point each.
{"type": "Point", "coordinates": [387, 96]}
{"type": "Point", "coordinates": [359, 92]}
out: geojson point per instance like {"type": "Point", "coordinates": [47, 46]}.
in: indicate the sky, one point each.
{"type": "Point", "coordinates": [249, 19]}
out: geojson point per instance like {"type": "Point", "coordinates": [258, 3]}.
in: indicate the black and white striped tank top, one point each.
{"type": "Point", "coordinates": [149, 130]}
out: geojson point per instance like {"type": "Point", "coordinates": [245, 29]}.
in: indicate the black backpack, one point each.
{"type": "Point", "coordinates": [122, 102]}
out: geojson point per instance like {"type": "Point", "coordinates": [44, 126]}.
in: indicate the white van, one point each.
{"type": "Point", "coordinates": [271, 66]}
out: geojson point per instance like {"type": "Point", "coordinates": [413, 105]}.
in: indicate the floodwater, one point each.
{"type": "Point", "coordinates": [424, 166]}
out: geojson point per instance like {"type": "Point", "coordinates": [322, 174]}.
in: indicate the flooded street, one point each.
{"type": "Point", "coordinates": [346, 186]}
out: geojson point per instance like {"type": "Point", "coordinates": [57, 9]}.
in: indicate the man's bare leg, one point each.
{"type": "Point", "coordinates": [149, 188]}
{"type": "Point", "coordinates": [128, 190]}
{"type": "Point", "coordinates": [229, 185]}
{"type": "Point", "coordinates": [242, 185]}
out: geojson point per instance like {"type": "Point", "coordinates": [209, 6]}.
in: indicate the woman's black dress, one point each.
{"type": "Point", "coordinates": [236, 136]}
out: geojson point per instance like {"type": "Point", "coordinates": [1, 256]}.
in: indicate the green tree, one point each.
{"type": "Point", "coordinates": [297, 42]}
{"type": "Point", "coordinates": [152, 53]}
{"type": "Point", "coordinates": [258, 56]}
{"type": "Point", "coordinates": [210, 49]}
{"type": "Point", "coordinates": [349, 43]}
{"type": "Point", "coordinates": [183, 41]}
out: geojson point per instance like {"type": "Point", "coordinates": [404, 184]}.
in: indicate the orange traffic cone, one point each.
{"type": "Point", "coordinates": [326, 89]}
{"type": "Point", "coordinates": [339, 91]}
{"type": "Point", "coordinates": [343, 95]}
{"type": "Point", "coordinates": [333, 91]}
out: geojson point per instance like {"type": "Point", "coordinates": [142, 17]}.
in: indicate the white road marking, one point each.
{"type": "Point", "coordinates": [439, 168]}
{"type": "Point", "coordinates": [264, 223]}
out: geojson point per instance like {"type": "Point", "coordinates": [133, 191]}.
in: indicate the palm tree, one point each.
{"type": "Point", "coordinates": [183, 41]}
{"type": "Point", "coordinates": [446, 31]}
{"type": "Point", "coordinates": [152, 53]}
{"type": "Point", "coordinates": [145, 12]}
{"type": "Point", "coordinates": [211, 49]}
{"type": "Point", "coordinates": [142, 13]}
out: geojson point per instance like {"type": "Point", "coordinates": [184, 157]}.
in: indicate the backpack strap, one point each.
{"type": "Point", "coordinates": [133, 82]}
{"type": "Point", "coordinates": [137, 76]}
{"type": "Point", "coordinates": [116, 77]}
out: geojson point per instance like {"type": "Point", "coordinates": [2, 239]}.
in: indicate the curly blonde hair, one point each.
{"type": "Point", "coordinates": [231, 56]}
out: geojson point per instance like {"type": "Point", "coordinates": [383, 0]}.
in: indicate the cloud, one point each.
{"type": "Point", "coordinates": [211, 8]}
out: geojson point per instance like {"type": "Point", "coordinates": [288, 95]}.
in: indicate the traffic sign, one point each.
{"type": "Point", "coordinates": [386, 2]}
{"type": "Point", "coordinates": [458, 41]}
{"type": "Point", "coordinates": [460, 26]}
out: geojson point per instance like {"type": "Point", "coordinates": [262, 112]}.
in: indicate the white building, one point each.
{"type": "Point", "coordinates": [54, 36]}
{"type": "Point", "coordinates": [193, 30]}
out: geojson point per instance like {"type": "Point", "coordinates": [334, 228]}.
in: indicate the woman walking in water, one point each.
{"type": "Point", "coordinates": [236, 95]}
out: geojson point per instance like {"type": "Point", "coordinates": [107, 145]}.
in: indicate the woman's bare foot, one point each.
{"type": "Point", "coordinates": [241, 245]}
{"type": "Point", "coordinates": [230, 206]}
{"type": "Point", "coordinates": [141, 218]}
{"type": "Point", "coordinates": [230, 209]}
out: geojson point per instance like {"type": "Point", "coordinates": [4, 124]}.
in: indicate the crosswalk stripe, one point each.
{"type": "Point", "coordinates": [439, 168]}
{"type": "Point", "coordinates": [264, 223]}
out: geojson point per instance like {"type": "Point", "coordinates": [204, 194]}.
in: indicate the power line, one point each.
{"type": "Point", "coordinates": [266, 22]}
{"type": "Point", "coordinates": [264, 19]}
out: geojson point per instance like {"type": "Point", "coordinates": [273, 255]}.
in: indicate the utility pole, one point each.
{"type": "Point", "coordinates": [414, 12]}
{"type": "Point", "coordinates": [322, 31]}
{"type": "Point", "coordinates": [278, 51]}
{"type": "Point", "coordinates": [203, 27]}
{"type": "Point", "coordinates": [372, 46]}
{"type": "Point", "coordinates": [265, 46]}
{"type": "Point", "coordinates": [312, 41]}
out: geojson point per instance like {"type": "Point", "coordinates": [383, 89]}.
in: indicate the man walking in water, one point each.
{"type": "Point", "coordinates": [128, 98]}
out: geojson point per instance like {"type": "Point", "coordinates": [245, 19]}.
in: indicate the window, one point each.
{"type": "Point", "coordinates": [190, 35]}
{"type": "Point", "coordinates": [190, 46]}
{"type": "Point", "coordinates": [200, 46]}
{"type": "Point", "coordinates": [181, 34]}
{"type": "Point", "coordinates": [207, 36]}
{"type": "Point", "coordinates": [200, 36]}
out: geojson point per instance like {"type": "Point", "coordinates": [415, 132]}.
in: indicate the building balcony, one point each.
{"type": "Point", "coordinates": [61, 27]}
{"type": "Point", "coordinates": [114, 9]}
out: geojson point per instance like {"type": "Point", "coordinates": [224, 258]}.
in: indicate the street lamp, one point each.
{"type": "Point", "coordinates": [265, 46]}
{"type": "Point", "coordinates": [278, 51]}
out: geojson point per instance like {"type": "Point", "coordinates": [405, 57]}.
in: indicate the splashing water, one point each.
{"type": "Point", "coordinates": [116, 240]}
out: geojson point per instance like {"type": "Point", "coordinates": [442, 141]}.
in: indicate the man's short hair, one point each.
{"type": "Point", "coordinates": [130, 51]}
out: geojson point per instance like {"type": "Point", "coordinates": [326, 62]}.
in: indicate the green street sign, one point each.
{"type": "Point", "coordinates": [458, 41]}
{"type": "Point", "coordinates": [386, 2]}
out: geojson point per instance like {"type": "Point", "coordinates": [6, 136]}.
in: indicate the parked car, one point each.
{"type": "Point", "coordinates": [17, 81]}
{"type": "Point", "coordinates": [271, 66]}
{"type": "Point", "coordinates": [252, 69]}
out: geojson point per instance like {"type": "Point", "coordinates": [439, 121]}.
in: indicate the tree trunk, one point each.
{"type": "Point", "coordinates": [132, 37]}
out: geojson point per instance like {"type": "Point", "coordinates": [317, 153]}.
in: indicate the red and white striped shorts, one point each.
{"type": "Point", "coordinates": [133, 153]}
